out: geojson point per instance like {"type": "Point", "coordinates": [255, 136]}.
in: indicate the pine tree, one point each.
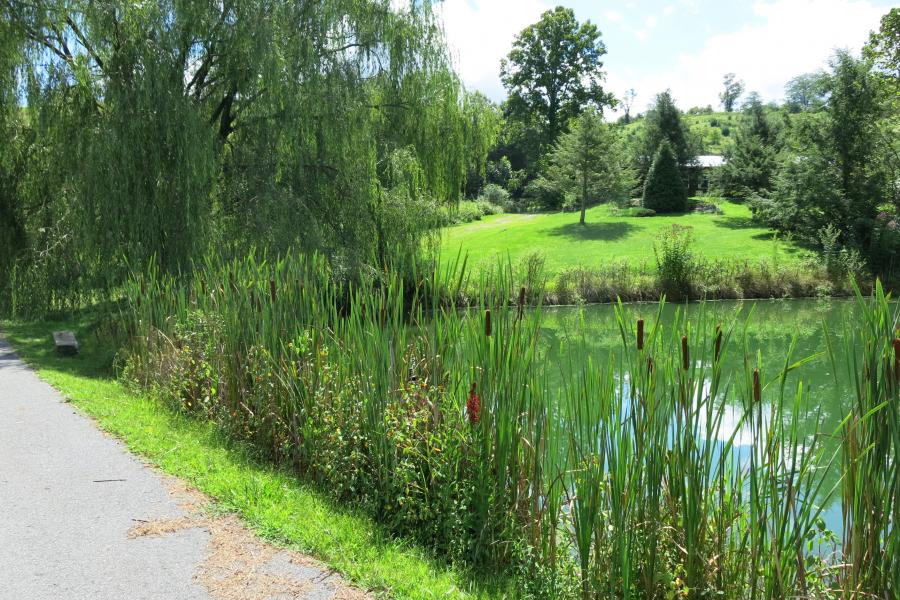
{"type": "Point", "coordinates": [664, 189]}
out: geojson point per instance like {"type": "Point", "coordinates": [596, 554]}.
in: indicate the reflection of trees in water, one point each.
{"type": "Point", "coordinates": [765, 328]}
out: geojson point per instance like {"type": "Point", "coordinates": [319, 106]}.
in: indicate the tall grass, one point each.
{"type": "Point", "coordinates": [618, 478]}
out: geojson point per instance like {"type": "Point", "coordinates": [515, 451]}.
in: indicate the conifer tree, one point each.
{"type": "Point", "coordinates": [664, 189]}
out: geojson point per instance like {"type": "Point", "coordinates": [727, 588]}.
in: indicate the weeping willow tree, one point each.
{"type": "Point", "coordinates": [163, 130]}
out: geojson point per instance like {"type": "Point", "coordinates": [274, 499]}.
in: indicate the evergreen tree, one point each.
{"type": "Point", "coordinates": [751, 163]}
{"type": "Point", "coordinates": [664, 122]}
{"type": "Point", "coordinates": [588, 161]}
{"type": "Point", "coordinates": [664, 190]}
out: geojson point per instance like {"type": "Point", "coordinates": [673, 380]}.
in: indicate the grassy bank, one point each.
{"type": "Point", "coordinates": [273, 501]}
{"type": "Point", "coordinates": [615, 482]}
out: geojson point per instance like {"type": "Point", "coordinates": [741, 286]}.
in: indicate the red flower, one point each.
{"type": "Point", "coordinates": [473, 406]}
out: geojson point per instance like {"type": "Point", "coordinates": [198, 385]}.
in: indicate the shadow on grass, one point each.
{"type": "Point", "coordinates": [737, 223]}
{"type": "Point", "coordinates": [605, 231]}
{"type": "Point", "coordinates": [236, 473]}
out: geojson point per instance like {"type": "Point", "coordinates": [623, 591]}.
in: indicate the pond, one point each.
{"type": "Point", "coordinates": [771, 327]}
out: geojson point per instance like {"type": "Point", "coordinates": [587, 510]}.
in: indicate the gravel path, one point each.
{"type": "Point", "coordinates": [81, 517]}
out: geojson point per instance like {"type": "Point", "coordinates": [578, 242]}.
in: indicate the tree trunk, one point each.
{"type": "Point", "coordinates": [584, 182]}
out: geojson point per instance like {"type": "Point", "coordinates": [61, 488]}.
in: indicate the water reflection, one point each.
{"type": "Point", "coordinates": [765, 332]}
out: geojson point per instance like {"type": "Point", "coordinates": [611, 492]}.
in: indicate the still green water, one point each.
{"type": "Point", "coordinates": [576, 334]}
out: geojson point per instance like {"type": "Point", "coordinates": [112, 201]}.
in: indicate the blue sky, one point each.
{"type": "Point", "coordinates": [684, 45]}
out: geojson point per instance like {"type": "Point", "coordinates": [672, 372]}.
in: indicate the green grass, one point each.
{"type": "Point", "coordinates": [606, 238]}
{"type": "Point", "coordinates": [275, 504]}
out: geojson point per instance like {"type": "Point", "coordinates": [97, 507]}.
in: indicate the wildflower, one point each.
{"type": "Point", "coordinates": [473, 406]}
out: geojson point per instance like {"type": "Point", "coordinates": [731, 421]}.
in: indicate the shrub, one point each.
{"type": "Point", "coordinates": [543, 194]}
{"type": "Point", "coordinates": [494, 194]}
{"type": "Point", "coordinates": [664, 190]}
{"type": "Point", "coordinates": [675, 261]}
{"type": "Point", "coordinates": [636, 211]}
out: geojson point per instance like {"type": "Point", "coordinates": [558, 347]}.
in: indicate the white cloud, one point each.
{"type": "Point", "coordinates": [480, 33]}
{"type": "Point", "coordinates": [613, 16]}
{"type": "Point", "coordinates": [793, 37]}
{"type": "Point", "coordinates": [669, 9]}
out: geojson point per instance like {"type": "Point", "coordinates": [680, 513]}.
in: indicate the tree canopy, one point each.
{"type": "Point", "coordinates": [157, 129]}
{"type": "Point", "coordinates": [588, 161]}
{"type": "Point", "coordinates": [733, 90]}
{"type": "Point", "coordinates": [664, 190]}
{"type": "Point", "coordinates": [554, 71]}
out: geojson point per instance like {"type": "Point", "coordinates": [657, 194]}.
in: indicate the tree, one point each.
{"type": "Point", "coordinates": [806, 92]}
{"type": "Point", "coordinates": [838, 175]}
{"type": "Point", "coordinates": [663, 122]}
{"type": "Point", "coordinates": [161, 129]}
{"type": "Point", "coordinates": [554, 71]}
{"type": "Point", "coordinates": [751, 163]}
{"type": "Point", "coordinates": [627, 102]}
{"type": "Point", "coordinates": [664, 190]}
{"type": "Point", "coordinates": [588, 160]}
{"type": "Point", "coordinates": [733, 90]}
{"type": "Point", "coordinates": [884, 45]}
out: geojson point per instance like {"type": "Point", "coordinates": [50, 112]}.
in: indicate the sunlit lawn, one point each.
{"type": "Point", "coordinates": [607, 238]}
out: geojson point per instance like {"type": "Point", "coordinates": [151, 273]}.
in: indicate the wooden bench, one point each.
{"type": "Point", "coordinates": [66, 344]}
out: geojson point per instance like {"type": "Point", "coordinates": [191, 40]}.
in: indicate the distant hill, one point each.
{"type": "Point", "coordinates": [715, 130]}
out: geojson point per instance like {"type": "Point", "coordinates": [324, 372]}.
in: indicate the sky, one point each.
{"type": "Point", "coordinates": [683, 45]}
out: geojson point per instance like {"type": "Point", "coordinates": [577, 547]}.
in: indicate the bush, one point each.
{"type": "Point", "coordinates": [664, 189]}
{"type": "Point", "coordinates": [675, 261]}
{"type": "Point", "coordinates": [467, 211]}
{"type": "Point", "coordinates": [635, 211]}
{"type": "Point", "coordinates": [541, 193]}
{"type": "Point", "coordinates": [494, 194]}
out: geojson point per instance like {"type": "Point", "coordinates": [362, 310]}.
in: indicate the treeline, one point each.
{"type": "Point", "coordinates": [823, 166]}
{"type": "Point", "coordinates": [160, 130]}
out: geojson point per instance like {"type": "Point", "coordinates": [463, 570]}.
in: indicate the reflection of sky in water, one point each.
{"type": "Point", "coordinates": [771, 327]}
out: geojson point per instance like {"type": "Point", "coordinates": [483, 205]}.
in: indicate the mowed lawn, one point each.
{"type": "Point", "coordinates": [606, 238]}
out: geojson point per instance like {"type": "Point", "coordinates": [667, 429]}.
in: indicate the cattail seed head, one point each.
{"type": "Point", "coordinates": [640, 334]}
{"type": "Point", "coordinates": [650, 366]}
{"type": "Point", "coordinates": [718, 342]}
{"type": "Point", "coordinates": [522, 296]}
{"type": "Point", "coordinates": [757, 388]}
{"type": "Point", "coordinates": [685, 353]}
{"type": "Point", "coordinates": [487, 322]}
{"type": "Point", "coordinates": [273, 291]}
{"type": "Point", "coordinates": [897, 359]}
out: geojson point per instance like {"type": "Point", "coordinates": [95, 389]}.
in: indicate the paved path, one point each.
{"type": "Point", "coordinates": [80, 517]}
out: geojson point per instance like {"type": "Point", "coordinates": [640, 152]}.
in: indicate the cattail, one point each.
{"type": "Point", "coordinates": [757, 388]}
{"type": "Point", "coordinates": [473, 406]}
{"type": "Point", "coordinates": [143, 287]}
{"type": "Point", "coordinates": [640, 334]}
{"type": "Point", "coordinates": [487, 322]}
{"type": "Point", "coordinates": [650, 366]}
{"type": "Point", "coordinates": [685, 353]}
{"type": "Point", "coordinates": [273, 291]}
{"type": "Point", "coordinates": [897, 359]}
{"type": "Point", "coordinates": [203, 286]}
{"type": "Point", "coordinates": [521, 302]}
{"type": "Point", "coordinates": [718, 342]}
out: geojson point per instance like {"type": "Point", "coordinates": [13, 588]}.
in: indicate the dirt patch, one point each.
{"type": "Point", "coordinates": [238, 565]}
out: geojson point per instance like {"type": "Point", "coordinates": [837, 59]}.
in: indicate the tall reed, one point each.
{"type": "Point", "coordinates": [655, 472]}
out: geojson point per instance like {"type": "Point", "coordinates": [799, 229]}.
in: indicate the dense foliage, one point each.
{"type": "Point", "coordinates": [664, 190]}
{"type": "Point", "coordinates": [589, 480]}
{"type": "Point", "coordinates": [587, 162]}
{"type": "Point", "coordinates": [162, 129]}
